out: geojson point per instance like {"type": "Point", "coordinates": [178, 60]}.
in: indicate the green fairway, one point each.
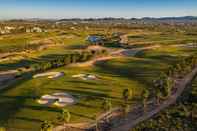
{"type": "Point", "coordinates": [114, 76]}
{"type": "Point", "coordinates": [19, 107]}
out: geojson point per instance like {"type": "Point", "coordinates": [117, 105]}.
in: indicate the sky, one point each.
{"type": "Point", "coordinates": [11, 9]}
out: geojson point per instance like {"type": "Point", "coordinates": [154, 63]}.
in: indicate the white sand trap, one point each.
{"type": "Point", "coordinates": [48, 97]}
{"type": "Point", "coordinates": [60, 74]}
{"type": "Point", "coordinates": [42, 101]}
{"type": "Point", "coordinates": [57, 99]}
{"type": "Point", "coordinates": [50, 75]}
{"type": "Point", "coordinates": [85, 76]}
{"type": "Point", "coordinates": [91, 77]}
{"type": "Point", "coordinates": [78, 76]}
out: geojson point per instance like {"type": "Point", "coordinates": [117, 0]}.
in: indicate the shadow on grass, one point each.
{"type": "Point", "coordinates": [12, 104]}
{"type": "Point", "coordinates": [29, 119]}
{"type": "Point", "coordinates": [80, 93]}
{"type": "Point", "coordinates": [139, 70]}
{"type": "Point", "coordinates": [9, 108]}
{"type": "Point", "coordinates": [43, 108]}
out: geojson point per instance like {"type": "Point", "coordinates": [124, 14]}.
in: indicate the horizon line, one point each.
{"type": "Point", "coordinates": [106, 17]}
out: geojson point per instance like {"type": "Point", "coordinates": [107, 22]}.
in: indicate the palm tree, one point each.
{"type": "Point", "coordinates": [169, 85]}
{"type": "Point", "coordinates": [65, 117]}
{"type": "Point", "coordinates": [158, 97]}
{"type": "Point", "coordinates": [126, 109]}
{"type": "Point", "coordinates": [145, 96]}
{"type": "Point", "coordinates": [107, 105]}
{"type": "Point", "coordinates": [157, 90]}
{"type": "Point", "coordinates": [126, 94]}
{"type": "Point", "coordinates": [46, 126]}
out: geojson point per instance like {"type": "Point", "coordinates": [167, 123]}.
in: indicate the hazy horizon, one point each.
{"type": "Point", "coordinates": [59, 9]}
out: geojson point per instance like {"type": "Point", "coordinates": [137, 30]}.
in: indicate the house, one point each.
{"type": "Point", "coordinates": [34, 29]}
{"type": "Point", "coordinates": [9, 28]}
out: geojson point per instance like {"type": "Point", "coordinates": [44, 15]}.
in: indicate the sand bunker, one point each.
{"type": "Point", "coordinates": [50, 75]}
{"type": "Point", "coordinates": [57, 99]}
{"type": "Point", "coordinates": [85, 76]}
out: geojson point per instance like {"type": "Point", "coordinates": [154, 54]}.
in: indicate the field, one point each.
{"type": "Point", "coordinates": [114, 76]}
{"type": "Point", "coordinates": [20, 109]}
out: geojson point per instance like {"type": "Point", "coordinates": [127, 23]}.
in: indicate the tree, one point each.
{"type": "Point", "coordinates": [126, 94]}
{"type": "Point", "coordinates": [179, 70]}
{"type": "Point", "coordinates": [145, 96]}
{"type": "Point", "coordinates": [65, 117]}
{"type": "Point", "coordinates": [170, 71]}
{"type": "Point", "coordinates": [157, 90]}
{"type": "Point", "coordinates": [107, 105]}
{"type": "Point", "coordinates": [46, 126]}
{"type": "Point", "coordinates": [126, 108]}
{"type": "Point", "coordinates": [168, 86]}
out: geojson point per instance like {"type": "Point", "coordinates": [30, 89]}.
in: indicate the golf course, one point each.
{"type": "Point", "coordinates": [59, 71]}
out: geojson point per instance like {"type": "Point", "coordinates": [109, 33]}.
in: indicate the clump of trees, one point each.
{"type": "Point", "coordinates": [46, 126]}
{"type": "Point", "coordinates": [181, 116]}
{"type": "Point", "coordinates": [67, 59]}
{"type": "Point", "coordinates": [163, 86]}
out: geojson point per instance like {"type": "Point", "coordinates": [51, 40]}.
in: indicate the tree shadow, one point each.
{"type": "Point", "coordinates": [28, 119]}
{"type": "Point", "coordinates": [80, 93]}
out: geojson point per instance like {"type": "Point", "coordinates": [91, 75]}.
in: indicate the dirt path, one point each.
{"type": "Point", "coordinates": [114, 54]}
{"type": "Point", "coordinates": [132, 118]}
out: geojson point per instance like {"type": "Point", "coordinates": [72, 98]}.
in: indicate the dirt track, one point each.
{"type": "Point", "coordinates": [132, 118]}
{"type": "Point", "coordinates": [114, 54]}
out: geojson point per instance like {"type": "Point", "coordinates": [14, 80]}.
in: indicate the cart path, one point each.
{"type": "Point", "coordinates": [133, 119]}
{"type": "Point", "coordinates": [114, 54]}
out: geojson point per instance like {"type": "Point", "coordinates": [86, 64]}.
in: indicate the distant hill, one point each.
{"type": "Point", "coordinates": [171, 18]}
{"type": "Point", "coordinates": [144, 18]}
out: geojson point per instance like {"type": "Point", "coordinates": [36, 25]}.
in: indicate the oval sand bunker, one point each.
{"type": "Point", "coordinates": [57, 99]}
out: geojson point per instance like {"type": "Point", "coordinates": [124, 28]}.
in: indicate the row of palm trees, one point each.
{"type": "Point", "coordinates": [163, 85]}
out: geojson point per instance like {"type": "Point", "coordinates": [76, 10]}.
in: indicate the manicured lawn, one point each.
{"type": "Point", "coordinates": [19, 109]}
{"type": "Point", "coordinates": [115, 75]}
